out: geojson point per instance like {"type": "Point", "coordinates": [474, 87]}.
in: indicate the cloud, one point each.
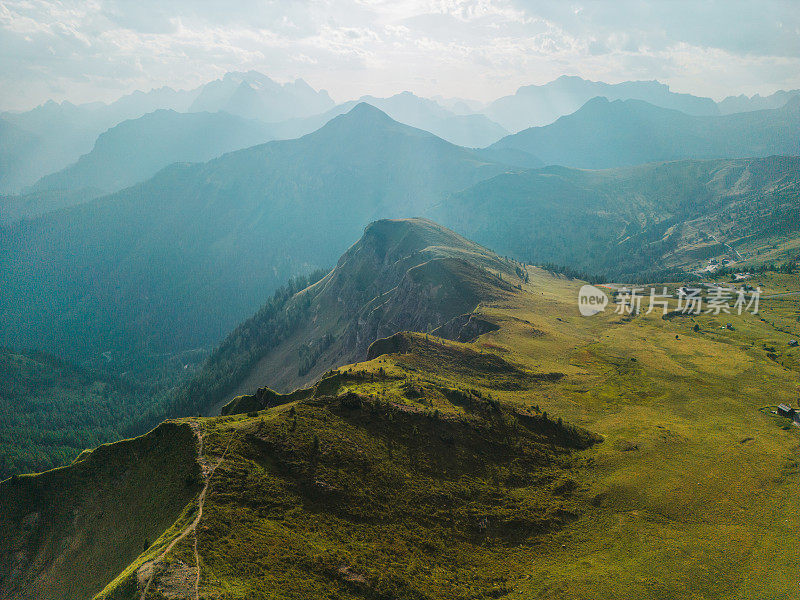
{"type": "Point", "coordinates": [97, 49]}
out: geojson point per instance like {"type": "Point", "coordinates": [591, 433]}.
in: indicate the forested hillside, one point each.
{"type": "Point", "coordinates": [636, 222]}
{"type": "Point", "coordinates": [50, 411]}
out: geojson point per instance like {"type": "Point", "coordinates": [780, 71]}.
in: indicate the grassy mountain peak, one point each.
{"type": "Point", "coordinates": [405, 274]}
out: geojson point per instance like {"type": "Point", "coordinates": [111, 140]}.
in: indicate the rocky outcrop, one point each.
{"type": "Point", "coordinates": [428, 297]}
{"type": "Point", "coordinates": [465, 328]}
{"type": "Point", "coordinates": [263, 398]}
{"type": "Point", "coordinates": [395, 344]}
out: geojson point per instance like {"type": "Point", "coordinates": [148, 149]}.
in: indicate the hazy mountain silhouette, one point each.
{"type": "Point", "coordinates": [605, 134]}
{"type": "Point", "coordinates": [68, 131]}
{"type": "Point", "coordinates": [472, 130]}
{"type": "Point", "coordinates": [742, 103]}
{"type": "Point", "coordinates": [137, 271]}
{"type": "Point", "coordinates": [536, 105]}
{"type": "Point", "coordinates": [136, 150]}
{"type": "Point", "coordinates": [255, 96]}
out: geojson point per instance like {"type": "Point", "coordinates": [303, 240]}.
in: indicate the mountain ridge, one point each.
{"type": "Point", "coordinates": [133, 151]}
{"type": "Point", "coordinates": [608, 134]}
{"type": "Point", "coordinates": [253, 95]}
{"type": "Point", "coordinates": [626, 222]}
{"type": "Point", "coordinates": [539, 105]}
{"type": "Point", "coordinates": [68, 131]}
{"type": "Point", "coordinates": [407, 274]}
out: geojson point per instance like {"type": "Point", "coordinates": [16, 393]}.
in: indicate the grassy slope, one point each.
{"type": "Point", "coordinates": [65, 533]}
{"type": "Point", "coordinates": [703, 506]}
{"type": "Point", "coordinates": [383, 485]}
{"type": "Point", "coordinates": [408, 274]}
{"type": "Point", "coordinates": [50, 411]}
{"type": "Point", "coordinates": [690, 495]}
{"type": "Point", "coordinates": [414, 490]}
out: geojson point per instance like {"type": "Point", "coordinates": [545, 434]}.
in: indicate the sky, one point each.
{"type": "Point", "coordinates": [479, 49]}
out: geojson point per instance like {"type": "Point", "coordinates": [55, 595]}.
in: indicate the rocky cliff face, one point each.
{"type": "Point", "coordinates": [427, 297]}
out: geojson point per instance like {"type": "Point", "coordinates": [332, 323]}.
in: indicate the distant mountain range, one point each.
{"type": "Point", "coordinates": [137, 149]}
{"type": "Point", "coordinates": [605, 134]}
{"type": "Point", "coordinates": [742, 103]}
{"type": "Point", "coordinates": [108, 274]}
{"type": "Point", "coordinates": [255, 96]}
{"type": "Point", "coordinates": [67, 131]}
{"type": "Point", "coordinates": [470, 130]}
{"type": "Point", "coordinates": [536, 105]}
{"type": "Point", "coordinates": [52, 137]}
{"type": "Point", "coordinates": [601, 134]}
